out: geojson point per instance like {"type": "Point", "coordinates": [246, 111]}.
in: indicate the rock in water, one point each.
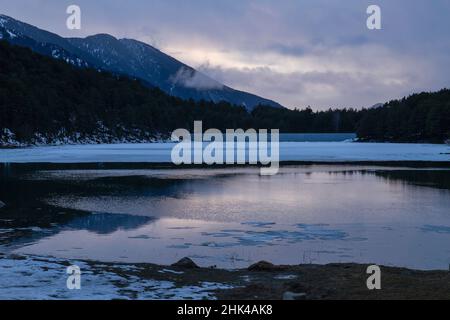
{"type": "Point", "coordinates": [186, 263]}
{"type": "Point", "coordinates": [2, 204]}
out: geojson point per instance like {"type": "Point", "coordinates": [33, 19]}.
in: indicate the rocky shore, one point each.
{"type": "Point", "coordinates": [31, 277]}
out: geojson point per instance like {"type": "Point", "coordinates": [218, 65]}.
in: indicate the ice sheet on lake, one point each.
{"type": "Point", "coordinates": [437, 229]}
{"type": "Point", "coordinates": [289, 151]}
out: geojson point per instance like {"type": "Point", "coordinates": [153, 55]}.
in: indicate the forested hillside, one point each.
{"type": "Point", "coordinates": [419, 117]}
{"type": "Point", "coordinates": [43, 100]}
{"type": "Point", "coordinates": [128, 57]}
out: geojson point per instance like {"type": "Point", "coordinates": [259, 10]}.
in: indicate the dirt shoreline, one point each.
{"type": "Point", "coordinates": [31, 166]}
{"type": "Point", "coordinates": [341, 281]}
{"type": "Point", "coordinates": [262, 281]}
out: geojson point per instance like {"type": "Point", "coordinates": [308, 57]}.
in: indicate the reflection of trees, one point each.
{"type": "Point", "coordinates": [429, 178]}
{"type": "Point", "coordinates": [105, 223]}
{"type": "Point", "coordinates": [25, 206]}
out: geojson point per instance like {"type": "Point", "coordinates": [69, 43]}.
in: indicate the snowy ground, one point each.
{"type": "Point", "coordinates": [289, 151]}
{"type": "Point", "coordinates": [29, 278]}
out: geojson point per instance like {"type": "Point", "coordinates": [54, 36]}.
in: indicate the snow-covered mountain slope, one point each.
{"type": "Point", "coordinates": [128, 57]}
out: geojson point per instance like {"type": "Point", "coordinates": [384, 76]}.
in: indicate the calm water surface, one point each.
{"type": "Point", "coordinates": [234, 217]}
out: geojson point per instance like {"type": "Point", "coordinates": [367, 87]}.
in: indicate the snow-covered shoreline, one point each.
{"type": "Point", "coordinates": [44, 278]}
{"type": "Point", "coordinates": [103, 135]}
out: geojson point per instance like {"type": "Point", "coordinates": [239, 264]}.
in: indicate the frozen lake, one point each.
{"type": "Point", "coordinates": [289, 151]}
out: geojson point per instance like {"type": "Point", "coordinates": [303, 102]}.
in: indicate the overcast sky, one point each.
{"type": "Point", "coordinates": [296, 52]}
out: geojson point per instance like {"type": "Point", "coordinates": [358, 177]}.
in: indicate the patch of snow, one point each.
{"type": "Point", "coordinates": [62, 137]}
{"type": "Point", "coordinates": [246, 278]}
{"type": "Point", "coordinates": [5, 231]}
{"type": "Point", "coordinates": [170, 271]}
{"type": "Point", "coordinates": [286, 277]}
{"type": "Point", "coordinates": [55, 54]}
{"type": "Point", "coordinates": [38, 278]}
{"type": "Point", "coordinates": [11, 34]}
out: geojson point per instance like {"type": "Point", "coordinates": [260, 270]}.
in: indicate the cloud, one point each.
{"type": "Point", "coordinates": [356, 82]}
{"type": "Point", "coordinates": [304, 52]}
{"type": "Point", "coordinates": [190, 78]}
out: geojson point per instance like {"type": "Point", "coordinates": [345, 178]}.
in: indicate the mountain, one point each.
{"type": "Point", "coordinates": [48, 101]}
{"type": "Point", "coordinates": [376, 105]}
{"type": "Point", "coordinates": [129, 57]}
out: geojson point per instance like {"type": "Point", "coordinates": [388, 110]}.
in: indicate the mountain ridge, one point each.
{"type": "Point", "coordinates": [129, 57]}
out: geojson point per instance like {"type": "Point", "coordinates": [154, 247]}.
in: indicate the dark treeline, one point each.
{"type": "Point", "coordinates": [47, 96]}
{"type": "Point", "coordinates": [44, 95]}
{"type": "Point", "coordinates": [306, 120]}
{"type": "Point", "coordinates": [419, 117]}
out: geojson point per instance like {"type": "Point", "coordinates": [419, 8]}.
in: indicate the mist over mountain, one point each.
{"type": "Point", "coordinates": [48, 101]}
{"type": "Point", "coordinates": [131, 58]}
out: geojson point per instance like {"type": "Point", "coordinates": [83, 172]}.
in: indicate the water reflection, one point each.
{"type": "Point", "coordinates": [427, 178]}
{"type": "Point", "coordinates": [308, 214]}
{"type": "Point", "coordinates": [106, 223]}
{"type": "Point", "coordinates": [357, 196]}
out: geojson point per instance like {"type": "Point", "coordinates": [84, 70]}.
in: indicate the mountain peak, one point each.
{"type": "Point", "coordinates": [131, 58]}
{"type": "Point", "coordinates": [102, 36]}
{"type": "Point", "coordinates": [3, 18]}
